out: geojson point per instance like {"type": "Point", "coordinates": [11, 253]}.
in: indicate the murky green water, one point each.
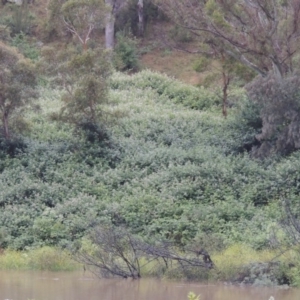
{"type": "Point", "coordinates": [79, 286]}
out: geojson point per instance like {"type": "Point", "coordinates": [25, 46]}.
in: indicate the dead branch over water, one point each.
{"type": "Point", "coordinates": [116, 252]}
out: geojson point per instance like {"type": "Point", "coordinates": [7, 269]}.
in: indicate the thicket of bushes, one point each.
{"type": "Point", "coordinates": [167, 171]}
{"type": "Point", "coordinates": [166, 165]}
{"type": "Point", "coordinates": [163, 170]}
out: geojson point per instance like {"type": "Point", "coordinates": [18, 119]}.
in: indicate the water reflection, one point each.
{"type": "Point", "coordinates": [79, 286]}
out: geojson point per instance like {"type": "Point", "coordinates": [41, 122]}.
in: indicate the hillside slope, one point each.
{"type": "Point", "coordinates": [163, 169]}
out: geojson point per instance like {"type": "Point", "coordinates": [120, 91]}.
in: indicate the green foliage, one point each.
{"type": "Point", "coordinates": [77, 17]}
{"type": "Point", "coordinates": [17, 86]}
{"type": "Point", "coordinates": [46, 259]}
{"type": "Point", "coordinates": [125, 53]}
{"type": "Point", "coordinates": [193, 296]}
{"type": "Point", "coordinates": [84, 76]}
{"type": "Point", "coordinates": [168, 88]}
{"type": "Point", "coordinates": [201, 64]}
{"type": "Point", "coordinates": [232, 260]}
{"type": "Point", "coordinates": [292, 272]}
{"type": "Point", "coordinates": [223, 24]}
{"type": "Point", "coordinates": [241, 263]}
{"type": "Point", "coordinates": [247, 124]}
{"type": "Point", "coordinates": [2, 237]}
{"type": "Point", "coordinates": [21, 41]}
{"type": "Point", "coordinates": [164, 171]}
{"type": "Point", "coordinates": [50, 259]}
{"type": "Point", "coordinates": [264, 274]}
{"type": "Point", "coordinates": [52, 26]}
{"type": "Point", "coordinates": [21, 19]}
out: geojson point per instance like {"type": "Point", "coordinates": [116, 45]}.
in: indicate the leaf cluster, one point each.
{"type": "Point", "coordinates": [164, 171]}
{"type": "Point", "coordinates": [17, 84]}
{"type": "Point", "coordinates": [83, 76]}
{"type": "Point", "coordinates": [77, 17]}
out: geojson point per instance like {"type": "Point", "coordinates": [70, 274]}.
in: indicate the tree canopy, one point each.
{"type": "Point", "coordinates": [84, 79]}
{"type": "Point", "coordinates": [77, 17]}
{"type": "Point", "coordinates": [263, 35]}
{"type": "Point", "coordinates": [17, 85]}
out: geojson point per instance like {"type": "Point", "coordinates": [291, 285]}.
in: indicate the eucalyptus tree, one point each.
{"type": "Point", "coordinates": [140, 11]}
{"type": "Point", "coordinates": [17, 86]}
{"type": "Point", "coordinates": [78, 17]}
{"type": "Point", "coordinates": [82, 74]}
{"type": "Point", "coordinates": [113, 8]}
{"type": "Point", "coordinates": [83, 78]}
{"type": "Point", "coordinates": [261, 34]}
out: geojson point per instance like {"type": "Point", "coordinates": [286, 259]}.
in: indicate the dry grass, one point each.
{"type": "Point", "coordinates": [45, 258]}
{"type": "Point", "coordinates": [174, 63]}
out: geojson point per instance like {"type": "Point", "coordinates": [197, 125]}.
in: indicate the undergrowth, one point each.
{"type": "Point", "coordinates": [45, 259]}
{"type": "Point", "coordinates": [171, 167]}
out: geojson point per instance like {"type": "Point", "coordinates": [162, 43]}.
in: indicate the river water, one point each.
{"type": "Point", "coordinates": [84, 286]}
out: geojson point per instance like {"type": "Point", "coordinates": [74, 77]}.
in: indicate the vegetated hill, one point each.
{"type": "Point", "coordinates": [167, 168]}
{"type": "Point", "coordinates": [152, 52]}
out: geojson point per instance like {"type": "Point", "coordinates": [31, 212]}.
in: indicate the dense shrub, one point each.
{"type": "Point", "coordinates": [19, 18]}
{"type": "Point", "coordinates": [27, 48]}
{"type": "Point", "coordinates": [12, 147]}
{"type": "Point", "coordinates": [246, 125]}
{"type": "Point", "coordinates": [85, 75]}
{"type": "Point", "coordinates": [17, 88]}
{"type": "Point", "coordinates": [45, 258]}
{"type": "Point", "coordinates": [163, 170]}
{"type": "Point", "coordinates": [166, 87]}
{"type": "Point", "coordinates": [126, 53]}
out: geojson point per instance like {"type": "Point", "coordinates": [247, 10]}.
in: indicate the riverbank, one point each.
{"type": "Point", "coordinates": [237, 264]}
{"type": "Point", "coordinates": [44, 259]}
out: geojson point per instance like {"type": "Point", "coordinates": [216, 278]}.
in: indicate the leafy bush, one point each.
{"type": "Point", "coordinates": [263, 274]}
{"type": "Point", "coordinates": [17, 87]}
{"type": "Point", "coordinates": [12, 147]}
{"type": "Point", "coordinates": [163, 171]}
{"type": "Point", "coordinates": [21, 41]}
{"type": "Point", "coordinates": [166, 87]}
{"type": "Point", "coordinates": [20, 20]}
{"type": "Point", "coordinates": [126, 53]}
{"type": "Point", "coordinates": [85, 76]}
{"type": "Point", "coordinates": [46, 259]}
{"type": "Point", "coordinates": [246, 125]}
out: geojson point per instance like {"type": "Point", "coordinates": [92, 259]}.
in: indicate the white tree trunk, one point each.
{"type": "Point", "coordinates": [140, 9]}
{"type": "Point", "coordinates": [110, 25]}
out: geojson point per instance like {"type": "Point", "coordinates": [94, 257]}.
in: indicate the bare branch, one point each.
{"type": "Point", "coordinates": [118, 254]}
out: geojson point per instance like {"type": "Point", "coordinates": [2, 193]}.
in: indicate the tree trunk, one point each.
{"type": "Point", "coordinates": [226, 81]}
{"type": "Point", "coordinates": [5, 125]}
{"type": "Point", "coordinates": [110, 25]}
{"type": "Point", "coordinates": [140, 10]}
